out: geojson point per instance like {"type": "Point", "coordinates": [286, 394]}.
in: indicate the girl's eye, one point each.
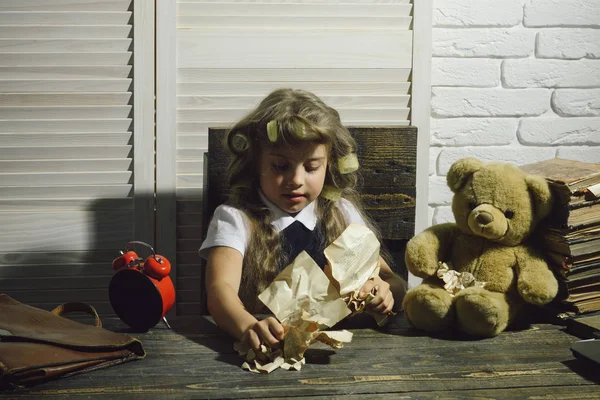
{"type": "Point", "coordinates": [311, 168]}
{"type": "Point", "coordinates": [279, 167]}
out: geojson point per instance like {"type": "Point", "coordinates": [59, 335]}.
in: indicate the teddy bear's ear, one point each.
{"type": "Point", "coordinates": [460, 171]}
{"type": "Point", "coordinates": [541, 194]}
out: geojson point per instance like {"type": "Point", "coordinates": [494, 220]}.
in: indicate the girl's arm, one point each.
{"type": "Point", "coordinates": [223, 276]}
{"type": "Point", "coordinates": [398, 285]}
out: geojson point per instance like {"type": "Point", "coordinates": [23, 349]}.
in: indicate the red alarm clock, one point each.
{"type": "Point", "coordinates": [141, 291]}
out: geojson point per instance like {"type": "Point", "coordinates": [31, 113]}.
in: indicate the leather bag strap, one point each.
{"type": "Point", "coordinates": [77, 306]}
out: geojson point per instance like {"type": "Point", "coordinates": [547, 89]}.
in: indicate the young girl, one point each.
{"type": "Point", "coordinates": [292, 176]}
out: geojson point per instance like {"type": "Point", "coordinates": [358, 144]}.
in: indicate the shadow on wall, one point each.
{"type": "Point", "coordinates": [66, 255]}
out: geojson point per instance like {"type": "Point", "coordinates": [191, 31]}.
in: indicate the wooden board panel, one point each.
{"type": "Point", "coordinates": [190, 218]}
{"type": "Point", "coordinates": [64, 99]}
{"type": "Point", "coordinates": [201, 128]}
{"type": "Point", "coordinates": [189, 232]}
{"type": "Point", "coordinates": [189, 271]}
{"type": "Point", "coordinates": [190, 141]}
{"type": "Point", "coordinates": [103, 308]}
{"type": "Point", "coordinates": [82, 125]}
{"type": "Point", "coordinates": [265, 9]}
{"type": "Point", "coordinates": [312, 49]}
{"type": "Point", "coordinates": [248, 101]}
{"type": "Point", "coordinates": [63, 152]}
{"type": "Point", "coordinates": [68, 230]}
{"type": "Point", "coordinates": [192, 244]}
{"type": "Point", "coordinates": [189, 166]}
{"type": "Point", "coordinates": [189, 180]}
{"type": "Point", "coordinates": [357, 114]}
{"type": "Point", "coordinates": [190, 283]}
{"type": "Point", "coordinates": [261, 89]}
{"type": "Point", "coordinates": [63, 45]}
{"type": "Point", "coordinates": [52, 178]}
{"type": "Point", "coordinates": [54, 139]}
{"type": "Point", "coordinates": [182, 193]}
{"type": "Point", "coordinates": [51, 166]}
{"type": "Point", "coordinates": [308, 2]}
{"type": "Point", "coordinates": [58, 85]}
{"type": "Point", "coordinates": [193, 260]}
{"type": "Point", "coordinates": [65, 5]}
{"type": "Point", "coordinates": [42, 285]}
{"type": "Point", "coordinates": [57, 271]}
{"type": "Point", "coordinates": [97, 31]}
{"type": "Point", "coordinates": [70, 191]}
{"type": "Point", "coordinates": [292, 22]}
{"type": "Point", "coordinates": [64, 18]}
{"type": "Point", "coordinates": [190, 154]}
{"type": "Point", "coordinates": [368, 123]}
{"type": "Point", "coordinates": [105, 204]}
{"type": "Point", "coordinates": [66, 72]}
{"type": "Point", "coordinates": [191, 308]}
{"type": "Point", "coordinates": [187, 206]}
{"type": "Point", "coordinates": [297, 76]}
{"type": "Point", "coordinates": [189, 296]}
{"type": "Point", "coordinates": [35, 59]}
{"type": "Point", "coordinates": [60, 296]}
{"type": "Point", "coordinates": [64, 112]}
{"type": "Point", "coordinates": [55, 260]}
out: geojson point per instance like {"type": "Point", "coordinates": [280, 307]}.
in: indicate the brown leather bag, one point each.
{"type": "Point", "coordinates": [38, 345]}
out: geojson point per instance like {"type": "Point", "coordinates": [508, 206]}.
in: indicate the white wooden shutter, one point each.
{"type": "Point", "coordinates": [75, 182]}
{"type": "Point", "coordinates": [356, 55]}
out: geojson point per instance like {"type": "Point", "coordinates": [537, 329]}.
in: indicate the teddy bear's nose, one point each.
{"type": "Point", "coordinates": [484, 218]}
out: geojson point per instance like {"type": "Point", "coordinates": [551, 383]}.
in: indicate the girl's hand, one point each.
{"type": "Point", "coordinates": [268, 332]}
{"type": "Point", "coordinates": [383, 301]}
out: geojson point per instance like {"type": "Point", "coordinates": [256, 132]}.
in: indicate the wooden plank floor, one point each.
{"type": "Point", "coordinates": [196, 360]}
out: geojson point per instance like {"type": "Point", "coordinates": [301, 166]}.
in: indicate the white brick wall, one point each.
{"type": "Point", "coordinates": [512, 80]}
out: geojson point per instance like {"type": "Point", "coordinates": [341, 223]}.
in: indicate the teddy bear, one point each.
{"type": "Point", "coordinates": [479, 272]}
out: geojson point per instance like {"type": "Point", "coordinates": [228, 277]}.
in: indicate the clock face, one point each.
{"type": "Point", "coordinates": [135, 299]}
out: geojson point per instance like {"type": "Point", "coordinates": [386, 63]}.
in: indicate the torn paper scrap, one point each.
{"type": "Point", "coordinates": [295, 344]}
{"type": "Point", "coordinates": [302, 292]}
{"type": "Point", "coordinates": [594, 190]}
{"type": "Point", "coordinates": [335, 339]}
{"type": "Point", "coordinates": [353, 258]}
{"type": "Point", "coordinates": [455, 281]}
{"type": "Point", "coordinates": [264, 361]}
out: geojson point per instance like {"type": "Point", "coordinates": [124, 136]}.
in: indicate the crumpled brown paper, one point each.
{"type": "Point", "coordinates": [306, 299]}
{"type": "Point", "coordinates": [353, 259]}
{"type": "Point", "coordinates": [455, 281]}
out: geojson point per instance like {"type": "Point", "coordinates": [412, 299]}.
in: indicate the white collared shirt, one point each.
{"type": "Point", "coordinates": [229, 226]}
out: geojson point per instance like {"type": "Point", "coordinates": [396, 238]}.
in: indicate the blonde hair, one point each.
{"type": "Point", "coordinates": [319, 124]}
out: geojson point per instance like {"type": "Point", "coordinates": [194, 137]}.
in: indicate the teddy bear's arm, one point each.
{"type": "Point", "coordinates": [536, 282]}
{"type": "Point", "coordinates": [428, 247]}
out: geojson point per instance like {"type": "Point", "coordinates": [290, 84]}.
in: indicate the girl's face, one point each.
{"type": "Point", "coordinates": [292, 177]}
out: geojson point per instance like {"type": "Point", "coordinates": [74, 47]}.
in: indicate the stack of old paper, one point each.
{"type": "Point", "coordinates": [307, 300]}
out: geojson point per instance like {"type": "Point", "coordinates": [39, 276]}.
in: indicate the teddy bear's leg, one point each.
{"type": "Point", "coordinates": [428, 307]}
{"type": "Point", "coordinates": [480, 312]}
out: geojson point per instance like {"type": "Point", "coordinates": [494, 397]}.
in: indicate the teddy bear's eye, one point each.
{"type": "Point", "coordinates": [509, 214]}
{"type": "Point", "coordinates": [472, 205]}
